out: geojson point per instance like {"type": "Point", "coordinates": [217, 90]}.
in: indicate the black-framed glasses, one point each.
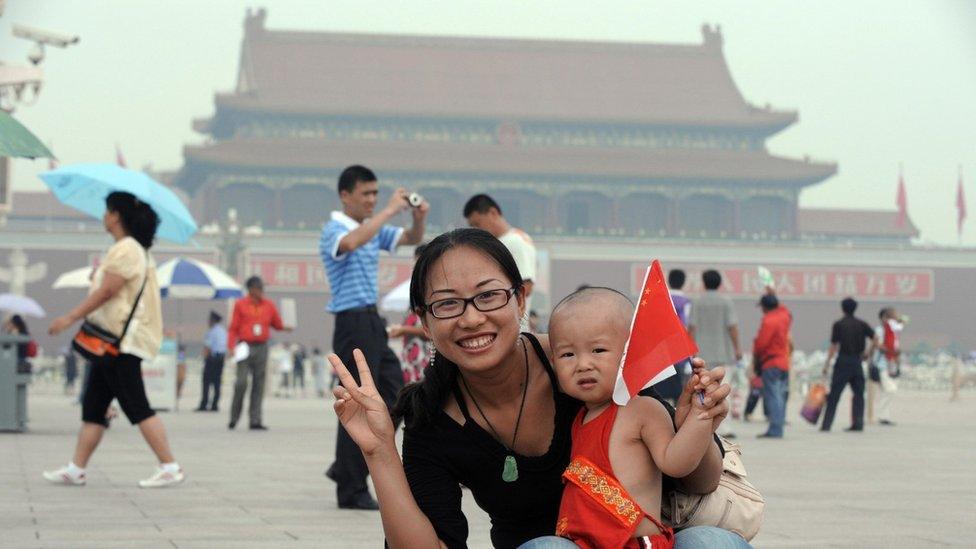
{"type": "Point", "coordinates": [453, 307]}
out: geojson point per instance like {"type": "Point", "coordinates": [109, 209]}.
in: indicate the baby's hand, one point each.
{"type": "Point", "coordinates": [698, 405]}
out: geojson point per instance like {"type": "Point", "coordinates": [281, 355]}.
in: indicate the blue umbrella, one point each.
{"type": "Point", "coordinates": [85, 186]}
{"type": "Point", "coordinates": [183, 278]}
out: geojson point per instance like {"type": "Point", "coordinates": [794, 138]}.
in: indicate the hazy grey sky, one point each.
{"type": "Point", "coordinates": [876, 82]}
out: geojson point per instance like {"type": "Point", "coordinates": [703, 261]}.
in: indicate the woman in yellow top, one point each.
{"type": "Point", "coordinates": [126, 269]}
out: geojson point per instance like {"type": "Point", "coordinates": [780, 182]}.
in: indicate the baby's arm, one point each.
{"type": "Point", "coordinates": [676, 454]}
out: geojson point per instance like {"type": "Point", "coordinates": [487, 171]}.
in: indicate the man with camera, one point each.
{"type": "Point", "coordinates": [350, 245]}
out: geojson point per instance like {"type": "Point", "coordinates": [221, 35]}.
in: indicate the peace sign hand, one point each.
{"type": "Point", "coordinates": [360, 408]}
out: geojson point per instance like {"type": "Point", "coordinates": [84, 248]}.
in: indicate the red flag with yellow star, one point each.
{"type": "Point", "coordinates": [658, 339]}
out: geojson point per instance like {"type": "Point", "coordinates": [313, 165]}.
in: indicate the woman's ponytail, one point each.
{"type": "Point", "coordinates": [419, 402]}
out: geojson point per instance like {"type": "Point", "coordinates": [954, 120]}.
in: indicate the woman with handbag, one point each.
{"type": "Point", "coordinates": [122, 327]}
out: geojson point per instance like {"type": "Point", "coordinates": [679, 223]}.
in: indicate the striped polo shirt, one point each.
{"type": "Point", "coordinates": [352, 275]}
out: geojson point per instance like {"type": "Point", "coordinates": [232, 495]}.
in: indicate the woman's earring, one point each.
{"type": "Point", "coordinates": [432, 351]}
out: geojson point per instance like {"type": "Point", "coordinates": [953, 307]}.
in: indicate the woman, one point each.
{"type": "Point", "coordinates": [126, 270]}
{"type": "Point", "coordinates": [15, 325]}
{"type": "Point", "coordinates": [488, 414]}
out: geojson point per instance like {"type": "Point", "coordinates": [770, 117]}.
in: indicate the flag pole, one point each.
{"type": "Point", "coordinates": [960, 208]}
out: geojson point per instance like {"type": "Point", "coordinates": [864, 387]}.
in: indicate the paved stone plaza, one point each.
{"type": "Point", "coordinates": [913, 485]}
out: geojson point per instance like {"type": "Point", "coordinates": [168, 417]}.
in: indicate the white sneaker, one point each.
{"type": "Point", "coordinates": [162, 479]}
{"type": "Point", "coordinates": [62, 476]}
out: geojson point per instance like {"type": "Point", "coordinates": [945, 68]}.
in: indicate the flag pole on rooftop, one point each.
{"type": "Point", "coordinates": [901, 200]}
{"type": "Point", "coordinates": [960, 207]}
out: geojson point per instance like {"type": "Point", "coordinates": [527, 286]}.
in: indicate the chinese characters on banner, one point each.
{"type": "Point", "coordinates": [307, 274]}
{"type": "Point", "coordinates": [814, 283]}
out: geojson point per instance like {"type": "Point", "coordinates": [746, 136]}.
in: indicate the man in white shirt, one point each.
{"type": "Point", "coordinates": [482, 212]}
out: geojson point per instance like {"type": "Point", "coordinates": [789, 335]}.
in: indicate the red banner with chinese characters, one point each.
{"type": "Point", "coordinates": [812, 283]}
{"type": "Point", "coordinates": [307, 274]}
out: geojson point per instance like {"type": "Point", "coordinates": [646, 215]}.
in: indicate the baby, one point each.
{"type": "Point", "coordinates": [613, 483]}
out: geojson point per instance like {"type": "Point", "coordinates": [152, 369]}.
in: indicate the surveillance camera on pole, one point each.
{"type": "Point", "coordinates": [15, 79]}
{"type": "Point", "coordinates": [44, 37]}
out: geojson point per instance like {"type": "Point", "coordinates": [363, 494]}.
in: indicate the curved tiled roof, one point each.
{"type": "Point", "coordinates": [339, 73]}
{"type": "Point", "coordinates": [725, 165]}
{"type": "Point", "coordinates": [836, 222]}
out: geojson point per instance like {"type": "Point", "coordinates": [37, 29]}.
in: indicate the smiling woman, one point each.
{"type": "Point", "coordinates": [488, 415]}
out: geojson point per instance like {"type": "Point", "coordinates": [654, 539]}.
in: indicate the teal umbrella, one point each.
{"type": "Point", "coordinates": [85, 186]}
{"type": "Point", "coordinates": [18, 141]}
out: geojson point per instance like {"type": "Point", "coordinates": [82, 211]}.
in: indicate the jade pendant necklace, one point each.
{"type": "Point", "coordinates": [510, 470]}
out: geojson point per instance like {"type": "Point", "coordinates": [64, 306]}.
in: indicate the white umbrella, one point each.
{"type": "Point", "coordinates": [76, 278]}
{"type": "Point", "coordinates": [183, 278]}
{"type": "Point", "coordinates": [397, 300]}
{"type": "Point", "coordinates": [20, 305]}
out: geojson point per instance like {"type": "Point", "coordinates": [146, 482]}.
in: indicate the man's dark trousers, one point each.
{"type": "Point", "coordinates": [213, 368]}
{"type": "Point", "coordinates": [362, 329]}
{"type": "Point", "coordinates": [847, 369]}
{"type": "Point", "coordinates": [774, 396]}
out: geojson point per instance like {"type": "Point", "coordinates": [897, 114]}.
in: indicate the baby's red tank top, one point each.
{"type": "Point", "coordinates": [596, 511]}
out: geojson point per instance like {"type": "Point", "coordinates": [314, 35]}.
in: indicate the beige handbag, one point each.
{"type": "Point", "coordinates": [735, 505]}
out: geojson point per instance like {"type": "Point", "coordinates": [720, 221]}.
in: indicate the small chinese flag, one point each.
{"type": "Point", "coordinates": [657, 339]}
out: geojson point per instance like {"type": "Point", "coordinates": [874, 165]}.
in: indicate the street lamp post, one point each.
{"type": "Point", "coordinates": [231, 243]}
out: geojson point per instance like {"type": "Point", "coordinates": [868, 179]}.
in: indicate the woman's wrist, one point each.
{"type": "Point", "coordinates": [383, 454]}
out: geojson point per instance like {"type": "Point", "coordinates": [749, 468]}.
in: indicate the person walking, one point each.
{"type": "Point", "coordinates": [770, 351]}
{"type": "Point", "coordinates": [70, 369]}
{"type": "Point", "coordinates": [350, 245]}
{"type": "Point", "coordinates": [124, 300]}
{"type": "Point", "coordinates": [715, 328]}
{"type": "Point", "coordinates": [887, 360]}
{"type": "Point", "coordinates": [714, 325]}
{"type": "Point", "coordinates": [482, 212]}
{"type": "Point", "coordinates": [251, 322]}
{"type": "Point", "coordinates": [848, 340]}
{"type": "Point", "coordinates": [298, 362]}
{"type": "Point", "coordinates": [283, 362]}
{"type": "Point", "coordinates": [214, 353]}
{"type": "Point", "coordinates": [319, 366]}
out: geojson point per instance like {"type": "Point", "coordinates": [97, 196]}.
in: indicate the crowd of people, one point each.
{"type": "Point", "coordinates": [485, 401]}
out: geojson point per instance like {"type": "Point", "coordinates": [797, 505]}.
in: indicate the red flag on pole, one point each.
{"type": "Point", "coordinates": [658, 339]}
{"type": "Point", "coordinates": [960, 206]}
{"type": "Point", "coordinates": [902, 202]}
{"type": "Point", "coordinates": [119, 159]}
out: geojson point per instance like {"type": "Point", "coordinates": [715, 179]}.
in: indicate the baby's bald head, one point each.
{"type": "Point", "coordinates": [602, 304]}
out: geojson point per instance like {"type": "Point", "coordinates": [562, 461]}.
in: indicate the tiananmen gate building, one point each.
{"type": "Point", "coordinates": [608, 154]}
